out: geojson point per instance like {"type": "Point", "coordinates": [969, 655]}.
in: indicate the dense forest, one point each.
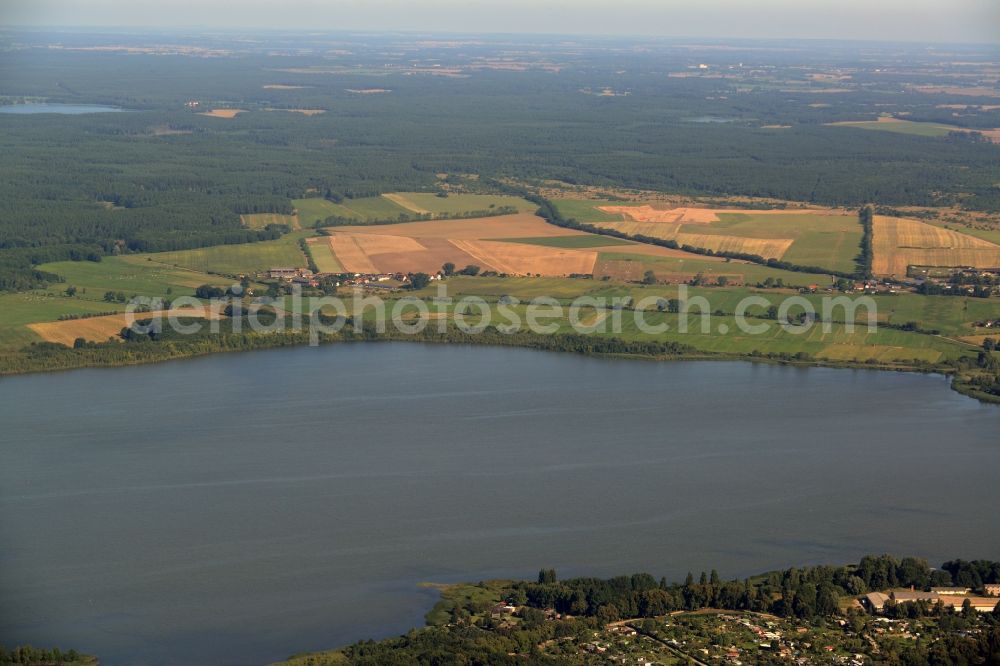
{"type": "Point", "coordinates": [159, 176]}
{"type": "Point", "coordinates": [799, 592]}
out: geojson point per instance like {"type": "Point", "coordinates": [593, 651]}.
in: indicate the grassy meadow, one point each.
{"type": "Point", "coordinates": [131, 275]}
{"type": "Point", "coordinates": [261, 220]}
{"type": "Point", "coordinates": [830, 241]}
{"type": "Point", "coordinates": [457, 204]}
{"type": "Point", "coordinates": [898, 126]}
{"type": "Point", "coordinates": [25, 308]}
{"type": "Point", "coordinates": [233, 260]}
{"type": "Point", "coordinates": [586, 210]}
{"type": "Point", "coordinates": [324, 258]}
{"type": "Point", "coordinates": [311, 211]}
{"type": "Point", "coordinates": [692, 264]}
{"type": "Point", "coordinates": [142, 275]}
{"type": "Point", "coordinates": [391, 206]}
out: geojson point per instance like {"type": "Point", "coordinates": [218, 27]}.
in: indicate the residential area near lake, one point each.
{"type": "Point", "coordinates": [430, 333]}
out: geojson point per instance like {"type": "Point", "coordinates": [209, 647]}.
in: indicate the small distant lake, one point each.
{"type": "Point", "coordinates": [64, 109]}
{"type": "Point", "coordinates": [710, 119]}
{"type": "Point", "coordinates": [237, 508]}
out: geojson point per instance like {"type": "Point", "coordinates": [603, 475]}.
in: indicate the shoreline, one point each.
{"type": "Point", "coordinates": [275, 341]}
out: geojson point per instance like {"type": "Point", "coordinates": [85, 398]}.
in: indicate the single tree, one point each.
{"type": "Point", "coordinates": [419, 280]}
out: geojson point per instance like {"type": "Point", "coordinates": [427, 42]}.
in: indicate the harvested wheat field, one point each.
{"type": "Point", "coordinates": [688, 215]}
{"type": "Point", "coordinates": [991, 134]}
{"type": "Point", "coordinates": [99, 329]}
{"type": "Point", "coordinates": [426, 246]}
{"type": "Point", "coordinates": [647, 213]}
{"type": "Point", "coordinates": [769, 248]}
{"type": "Point", "coordinates": [898, 243]}
{"type": "Point", "coordinates": [350, 255]}
{"type": "Point", "coordinates": [820, 237]}
{"type": "Point", "coordinates": [222, 113]}
{"type": "Point", "coordinates": [664, 230]}
{"type": "Point", "coordinates": [521, 259]}
{"type": "Point", "coordinates": [521, 244]}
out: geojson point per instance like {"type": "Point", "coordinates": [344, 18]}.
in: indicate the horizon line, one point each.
{"type": "Point", "coordinates": [465, 33]}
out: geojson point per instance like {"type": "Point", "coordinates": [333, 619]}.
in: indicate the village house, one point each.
{"type": "Point", "coordinates": [289, 274]}
{"type": "Point", "coordinates": [993, 589]}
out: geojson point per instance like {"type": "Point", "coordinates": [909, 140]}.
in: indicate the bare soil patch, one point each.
{"type": "Point", "coordinates": [222, 113]}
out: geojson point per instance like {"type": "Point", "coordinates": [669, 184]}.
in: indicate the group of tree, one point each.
{"type": "Point", "coordinates": [26, 655]}
{"type": "Point", "coordinates": [448, 269]}
{"type": "Point", "coordinates": [867, 218]}
{"type": "Point", "coordinates": [796, 592]}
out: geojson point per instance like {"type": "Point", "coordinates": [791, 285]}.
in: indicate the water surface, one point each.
{"type": "Point", "coordinates": [64, 109]}
{"type": "Point", "coordinates": [238, 508]}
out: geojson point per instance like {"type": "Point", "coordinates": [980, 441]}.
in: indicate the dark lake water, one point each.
{"type": "Point", "coordinates": [239, 508]}
{"type": "Point", "coordinates": [65, 109]}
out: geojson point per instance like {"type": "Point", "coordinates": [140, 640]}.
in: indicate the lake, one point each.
{"type": "Point", "coordinates": [710, 119]}
{"type": "Point", "coordinates": [65, 109]}
{"type": "Point", "coordinates": [238, 508]}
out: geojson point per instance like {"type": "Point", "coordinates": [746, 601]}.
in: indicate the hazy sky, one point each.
{"type": "Point", "coordinates": [894, 20]}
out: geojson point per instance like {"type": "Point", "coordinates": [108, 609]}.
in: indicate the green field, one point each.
{"type": "Point", "coordinates": [902, 127]}
{"type": "Point", "coordinates": [576, 242]}
{"type": "Point", "coordinates": [261, 220]}
{"type": "Point", "coordinates": [140, 275]}
{"type": "Point", "coordinates": [585, 210]}
{"type": "Point", "coordinates": [316, 210]}
{"type": "Point", "coordinates": [130, 275]}
{"type": "Point", "coordinates": [724, 335]}
{"type": "Point", "coordinates": [383, 207]}
{"type": "Point", "coordinates": [830, 241]}
{"type": "Point", "coordinates": [233, 260]}
{"type": "Point", "coordinates": [375, 208]}
{"type": "Point", "coordinates": [953, 316]}
{"type": "Point", "coordinates": [324, 258]}
{"type": "Point", "coordinates": [30, 307]}
{"type": "Point", "coordinates": [369, 208]}
{"type": "Point", "coordinates": [752, 273]}
{"type": "Point", "coordinates": [457, 204]}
